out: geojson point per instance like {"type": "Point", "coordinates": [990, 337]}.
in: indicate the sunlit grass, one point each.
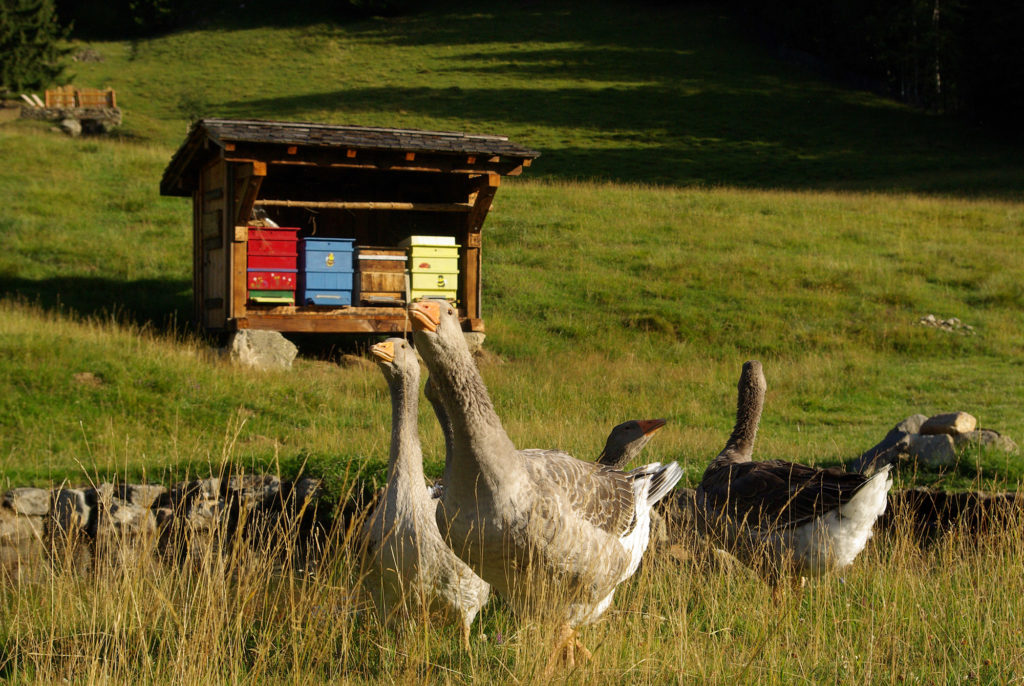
{"type": "Point", "coordinates": [903, 613]}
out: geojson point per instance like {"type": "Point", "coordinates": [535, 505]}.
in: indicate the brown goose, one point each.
{"type": "Point", "coordinates": [549, 532]}
{"type": "Point", "coordinates": [409, 565]}
{"type": "Point", "coordinates": [781, 517]}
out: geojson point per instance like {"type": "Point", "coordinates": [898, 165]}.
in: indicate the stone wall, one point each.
{"type": "Point", "coordinates": [37, 524]}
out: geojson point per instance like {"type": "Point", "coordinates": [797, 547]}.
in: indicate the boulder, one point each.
{"type": "Point", "coordinates": [950, 423]}
{"type": "Point", "coordinates": [935, 450]}
{"type": "Point", "coordinates": [987, 438]}
{"type": "Point", "coordinates": [912, 424]}
{"type": "Point", "coordinates": [475, 341]}
{"type": "Point", "coordinates": [143, 495]}
{"type": "Point", "coordinates": [16, 529]}
{"type": "Point", "coordinates": [253, 490]}
{"type": "Point", "coordinates": [28, 501]}
{"type": "Point", "coordinates": [71, 126]}
{"type": "Point", "coordinates": [122, 519]}
{"type": "Point", "coordinates": [261, 349]}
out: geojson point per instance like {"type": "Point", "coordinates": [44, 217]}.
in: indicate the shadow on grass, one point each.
{"type": "Point", "coordinates": [675, 96]}
{"type": "Point", "coordinates": [165, 304]}
{"type": "Point", "coordinates": [162, 304]}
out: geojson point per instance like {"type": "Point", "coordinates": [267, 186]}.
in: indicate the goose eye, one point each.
{"type": "Point", "coordinates": [449, 310]}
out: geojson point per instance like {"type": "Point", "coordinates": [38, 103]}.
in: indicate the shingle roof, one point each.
{"type": "Point", "coordinates": [325, 136]}
{"type": "Point", "coordinates": [365, 137]}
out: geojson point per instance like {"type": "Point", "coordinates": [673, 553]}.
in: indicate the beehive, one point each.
{"type": "Point", "coordinates": [271, 265]}
{"type": "Point", "coordinates": [433, 267]}
{"type": "Point", "coordinates": [327, 271]}
{"type": "Point", "coordinates": [382, 275]}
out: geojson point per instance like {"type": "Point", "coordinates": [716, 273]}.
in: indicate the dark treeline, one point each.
{"type": "Point", "coordinates": [948, 56]}
{"type": "Point", "coordinates": [115, 19]}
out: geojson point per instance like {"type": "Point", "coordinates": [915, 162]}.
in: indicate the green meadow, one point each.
{"type": "Point", "coordinates": [698, 203]}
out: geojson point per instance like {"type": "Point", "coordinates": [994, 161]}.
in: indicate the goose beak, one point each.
{"type": "Point", "coordinates": [650, 426]}
{"type": "Point", "coordinates": [426, 315]}
{"type": "Point", "coordinates": [385, 352]}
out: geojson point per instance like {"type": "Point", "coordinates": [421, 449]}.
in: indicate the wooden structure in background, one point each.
{"type": "Point", "coordinates": [375, 185]}
{"type": "Point", "coordinates": [71, 96]}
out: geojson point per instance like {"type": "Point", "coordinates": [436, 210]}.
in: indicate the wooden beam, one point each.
{"type": "Point", "coordinates": [342, 205]}
{"type": "Point", "coordinates": [248, 179]}
{"type": "Point", "coordinates": [276, 153]}
{"type": "Point", "coordinates": [347, 320]}
{"type": "Point", "coordinates": [482, 202]}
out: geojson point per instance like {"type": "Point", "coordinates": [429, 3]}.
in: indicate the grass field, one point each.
{"type": "Point", "coordinates": [698, 203]}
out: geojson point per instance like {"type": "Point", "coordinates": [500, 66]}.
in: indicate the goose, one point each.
{"type": "Point", "coordinates": [626, 440]}
{"type": "Point", "coordinates": [550, 533]}
{"type": "Point", "coordinates": [624, 443]}
{"type": "Point", "coordinates": [780, 517]}
{"type": "Point", "coordinates": [408, 562]}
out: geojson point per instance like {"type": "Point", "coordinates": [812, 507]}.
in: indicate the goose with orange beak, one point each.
{"type": "Point", "coordinates": [552, 534]}
{"type": "Point", "coordinates": [408, 565]}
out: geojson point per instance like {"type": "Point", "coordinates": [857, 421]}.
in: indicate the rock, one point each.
{"type": "Point", "coordinates": [307, 488]}
{"type": "Point", "coordinates": [261, 349]}
{"type": "Point", "coordinates": [121, 519]}
{"type": "Point", "coordinates": [87, 55]}
{"type": "Point", "coordinates": [71, 126]}
{"type": "Point", "coordinates": [183, 492]}
{"type": "Point", "coordinates": [253, 490]}
{"type": "Point", "coordinates": [935, 450]}
{"type": "Point", "coordinates": [950, 423]}
{"type": "Point", "coordinates": [912, 424]}
{"type": "Point", "coordinates": [987, 438]}
{"type": "Point", "coordinates": [475, 341]}
{"type": "Point", "coordinates": [143, 495]}
{"type": "Point", "coordinates": [204, 515]}
{"type": "Point", "coordinates": [28, 501]}
{"type": "Point", "coordinates": [21, 544]}
{"type": "Point", "coordinates": [15, 529]}
{"type": "Point", "coordinates": [72, 511]}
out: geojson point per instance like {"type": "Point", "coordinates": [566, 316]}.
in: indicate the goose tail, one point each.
{"type": "Point", "coordinates": [659, 478]}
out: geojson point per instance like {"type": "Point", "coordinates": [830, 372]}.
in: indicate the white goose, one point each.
{"type": "Point", "coordinates": [549, 532]}
{"type": "Point", "coordinates": [410, 566]}
{"type": "Point", "coordinates": [780, 517]}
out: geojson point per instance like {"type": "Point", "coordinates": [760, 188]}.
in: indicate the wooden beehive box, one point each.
{"type": "Point", "coordinates": [382, 275]}
{"type": "Point", "coordinates": [433, 267]}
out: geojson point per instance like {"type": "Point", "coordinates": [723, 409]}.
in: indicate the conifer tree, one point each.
{"type": "Point", "coordinates": [31, 55]}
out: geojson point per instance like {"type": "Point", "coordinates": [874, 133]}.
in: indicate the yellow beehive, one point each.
{"type": "Point", "coordinates": [433, 267]}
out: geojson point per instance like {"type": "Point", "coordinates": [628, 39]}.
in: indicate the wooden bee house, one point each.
{"type": "Point", "coordinates": [337, 189]}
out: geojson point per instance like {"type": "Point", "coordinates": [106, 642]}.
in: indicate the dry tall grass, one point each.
{"type": "Point", "coordinates": [244, 612]}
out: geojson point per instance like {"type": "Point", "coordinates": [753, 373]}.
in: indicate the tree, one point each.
{"type": "Point", "coordinates": [31, 55]}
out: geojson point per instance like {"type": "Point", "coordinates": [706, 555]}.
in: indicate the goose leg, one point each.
{"type": "Point", "coordinates": [465, 636]}
{"type": "Point", "coordinates": [565, 648]}
{"type": "Point", "coordinates": [584, 653]}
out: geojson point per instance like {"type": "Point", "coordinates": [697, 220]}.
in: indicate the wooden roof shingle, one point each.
{"type": "Point", "coordinates": [180, 176]}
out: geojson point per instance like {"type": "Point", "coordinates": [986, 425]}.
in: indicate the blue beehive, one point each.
{"type": "Point", "coordinates": [325, 268]}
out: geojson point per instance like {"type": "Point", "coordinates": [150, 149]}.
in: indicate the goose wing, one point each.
{"type": "Point", "coordinates": [776, 493]}
{"type": "Point", "coordinates": [600, 495]}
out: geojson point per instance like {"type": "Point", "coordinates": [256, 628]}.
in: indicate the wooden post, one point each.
{"type": "Point", "coordinates": [471, 260]}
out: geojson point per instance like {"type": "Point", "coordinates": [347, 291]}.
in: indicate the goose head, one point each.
{"type": "Point", "coordinates": [397, 360]}
{"type": "Point", "coordinates": [438, 334]}
{"type": "Point", "coordinates": [627, 440]}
